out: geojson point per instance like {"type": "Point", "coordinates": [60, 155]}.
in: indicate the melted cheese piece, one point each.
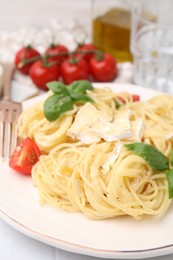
{"type": "Point", "coordinates": [138, 129]}
{"type": "Point", "coordinates": [112, 158]}
{"type": "Point", "coordinates": [169, 136]}
{"type": "Point", "coordinates": [85, 118]}
{"type": "Point", "coordinates": [90, 125]}
{"type": "Point", "coordinates": [110, 131]}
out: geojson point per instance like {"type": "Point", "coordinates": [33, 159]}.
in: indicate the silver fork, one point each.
{"type": "Point", "coordinates": [9, 113]}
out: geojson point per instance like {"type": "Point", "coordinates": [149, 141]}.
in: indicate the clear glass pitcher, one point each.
{"type": "Point", "coordinates": [152, 44]}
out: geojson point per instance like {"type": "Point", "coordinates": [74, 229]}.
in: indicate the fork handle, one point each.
{"type": "Point", "coordinates": [7, 76]}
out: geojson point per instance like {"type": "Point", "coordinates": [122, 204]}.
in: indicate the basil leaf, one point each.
{"type": "Point", "coordinates": [118, 104]}
{"type": "Point", "coordinates": [56, 105]}
{"type": "Point", "coordinates": [169, 176]}
{"type": "Point", "coordinates": [80, 86]}
{"type": "Point", "coordinates": [57, 87]}
{"type": "Point", "coordinates": [171, 158]}
{"type": "Point", "coordinates": [151, 155]}
{"type": "Point", "coordinates": [78, 97]}
{"type": "Point", "coordinates": [64, 96]}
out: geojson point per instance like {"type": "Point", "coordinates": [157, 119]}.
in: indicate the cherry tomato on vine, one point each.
{"type": "Point", "coordinates": [25, 53]}
{"type": "Point", "coordinates": [104, 68]}
{"type": "Point", "coordinates": [25, 156]}
{"type": "Point", "coordinates": [56, 49]}
{"type": "Point", "coordinates": [73, 69]}
{"type": "Point", "coordinates": [86, 47]}
{"type": "Point", "coordinates": [42, 73]}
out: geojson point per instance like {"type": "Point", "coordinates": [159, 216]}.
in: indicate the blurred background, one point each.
{"type": "Point", "coordinates": [68, 22]}
{"type": "Point", "coordinates": [38, 21]}
{"type": "Point", "coordinates": [108, 24]}
{"type": "Point", "coordinates": [18, 13]}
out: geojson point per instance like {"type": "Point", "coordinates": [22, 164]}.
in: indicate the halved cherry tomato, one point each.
{"type": "Point", "coordinates": [41, 73]}
{"type": "Point", "coordinates": [55, 49]}
{"type": "Point", "coordinates": [25, 53]}
{"type": "Point", "coordinates": [103, 69]}
{"type": "Point", "coordinates": [135, 97]}
{"type": "Point", "coordinates": [121, 101]}
{"type": "Point", "coordinates": [25, 156]}
{"type": "Point", "coordinates": [72, 70]}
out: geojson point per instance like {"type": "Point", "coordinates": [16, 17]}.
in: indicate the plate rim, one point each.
{"type": "Point", "coordinates": [86, 250]}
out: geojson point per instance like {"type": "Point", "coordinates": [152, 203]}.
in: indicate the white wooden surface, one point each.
{"type": "Point", "coordinates": [19, 13]}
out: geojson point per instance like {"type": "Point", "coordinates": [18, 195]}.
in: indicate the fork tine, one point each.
{"type": "Point", "coordinates": [8, 131]}
{"type": "Point", "coordinates": [2, 132]}
{"type": "Point", "coordinates": [15, 136]}
{"type": "Point", "coordinates": [2, 138]}
{"type": "Point", "coordinates": [9, 138]}
{"type": "Point", "coordinates": [14, 132]}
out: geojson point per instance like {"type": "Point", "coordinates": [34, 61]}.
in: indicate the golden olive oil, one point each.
{"type": "Point", "coordinates": [111, 33]}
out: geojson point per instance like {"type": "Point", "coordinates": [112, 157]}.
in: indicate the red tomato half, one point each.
{"type": "Point", "coordinates": [25, 156]}
{"type": "Point", "coordinates": [135, 97]}
{"type": "Point", "coordinates": [57, 49]}
{"type": "Point", "coordinates": [25, 53]}
{"type": "Point", "coordinates": [74, 71]}
{"type": "Point", "coordinates": [103, 70]}
{"type": "Point", "coordinates": [87, 47]}
{"type": "Point", "coordinates": [42, 74]}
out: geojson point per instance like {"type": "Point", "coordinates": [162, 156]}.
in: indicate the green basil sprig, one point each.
{"type": "Point", "coordinates": [155, 159]}
{"type": "Point", "coordinates": [170, 182]}
{"type": "Point", "coordinates": [151, 155]}
{"type": "Point", "coordinates": [171, 158]}
{"type": "Point", "coordinates": [64, 97]}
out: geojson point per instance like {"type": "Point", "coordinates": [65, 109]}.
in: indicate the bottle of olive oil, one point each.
{"type": "Point", "coordinates": [111, 33]}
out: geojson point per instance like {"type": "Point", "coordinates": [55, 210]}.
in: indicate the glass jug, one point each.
{"type": "Point", "coordinates": [111, 20]}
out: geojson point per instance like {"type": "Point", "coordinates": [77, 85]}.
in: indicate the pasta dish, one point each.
{"type": "Point", "coordinates": [85, 165]}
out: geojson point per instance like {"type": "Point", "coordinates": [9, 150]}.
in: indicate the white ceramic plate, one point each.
{"type": "Point", "coordinates": [121, 237]}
